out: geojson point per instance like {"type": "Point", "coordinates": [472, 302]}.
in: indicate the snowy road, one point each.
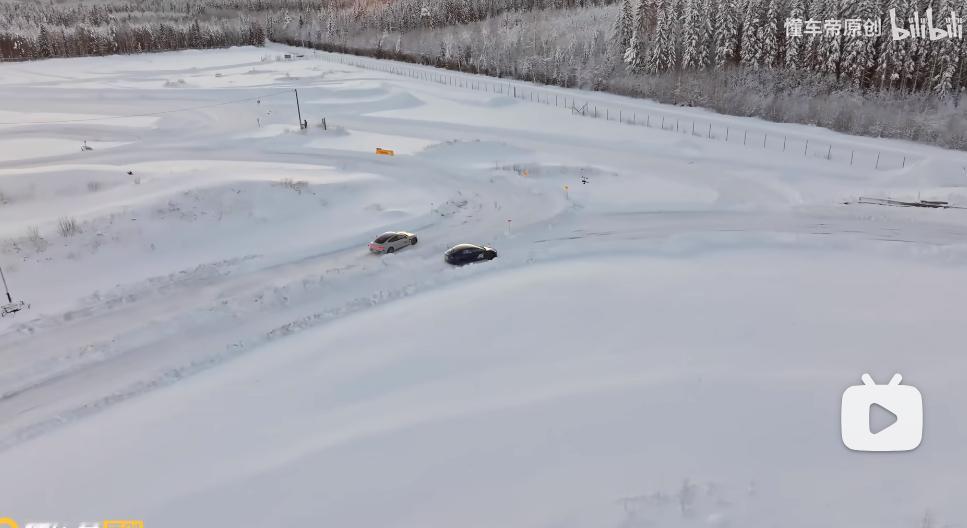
{"type": "Point", "coordinates": [662, 341]}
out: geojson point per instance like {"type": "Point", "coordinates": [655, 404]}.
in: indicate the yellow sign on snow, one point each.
{"type": "Point", "coordinates": [384, 152]}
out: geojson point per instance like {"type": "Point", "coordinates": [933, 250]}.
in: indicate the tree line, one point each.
{"type": "Point", "coordinates": [732, 56]}
{"type": "Point", "coordinates": [656, 36]}
{"type": "Point", "coordinates": [34, 30]}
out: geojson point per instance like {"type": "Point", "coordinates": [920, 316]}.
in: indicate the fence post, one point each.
{"type": "Point", "coordinates": [877, 164]}
{"type": "Point", "coordinates": [829, 151]}
{"type": "Point", "coordinates": [784, 143]}
{"type": "Point", "coordinates": [663, 122]}
{"type": "Point", "coordinates": [904, 162]}
{"type": "Point", "coordinates": [851, 154]}
{"type": "Point", "coordinates": [726, 134]}
{"type": "Point", "coordinates": [710, 130]}
{"type": "Point", "coordinates": [745, 136]}
{"type": "Point", "coordinates": [693, 128]}
{"type": "Point", "coordinates": [764, 138]}
{"type": "Point", "coordinates": [805, 149]}
{"type": "Point", "coordinates": [648, 121]}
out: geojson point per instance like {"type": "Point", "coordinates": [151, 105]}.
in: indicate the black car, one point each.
{"type": "Point", "coordinates": [466, 253]}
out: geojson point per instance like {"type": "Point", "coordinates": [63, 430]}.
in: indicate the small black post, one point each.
{"type": "Point", "coordinates": [7, 290]}
{"type": "Point", "coordinates": [297, 107]}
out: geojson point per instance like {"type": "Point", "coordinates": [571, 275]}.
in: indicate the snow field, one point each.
{"type": "Point", "coordinates": [663, 345]}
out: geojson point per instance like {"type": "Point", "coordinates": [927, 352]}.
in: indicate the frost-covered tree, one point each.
{"type": "Point", "coordinates": [693, 44]}
{"type": "Point", "coordinates": [663, 52]}
{"type": "Point", "coordinates": [624, 26]}
{"type": "Point", "coordinates": [727, 35]}
{"type": "Point", "coordinates": [44, 48]}
{"type": "Point", "coordinates": [751, 35]}
{"type": "Point", "coordinates": [795, 45]}
{"type": "Point", "coordinates": [771, 41]}
{"type": "Point", "coordinates": [709, 19]}
{"type": "Point", "coordinates": [636, 55]}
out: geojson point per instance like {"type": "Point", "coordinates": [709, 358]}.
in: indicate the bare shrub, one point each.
{"type": "Point", "coordinates": [298, 186]}
{"type": "Point", "coordinates": [68, 227]}
{"type": "Point", "coordinates": [33, 238]}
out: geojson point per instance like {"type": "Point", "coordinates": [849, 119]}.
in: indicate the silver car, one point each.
{"type": "Point", "coordinates": [392, 241]}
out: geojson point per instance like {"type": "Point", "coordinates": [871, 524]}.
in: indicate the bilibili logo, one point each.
{"type": "Point", "coordinates": [7, 522]}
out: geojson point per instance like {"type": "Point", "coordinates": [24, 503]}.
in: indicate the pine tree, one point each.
{"type": "Point", "coordinates": [636, 54]}
{"type": "Point", "coordinates": [624, 26]}
{"type": "Point", "coordinates": [727, 35]}
{"type": "Point", "coordinates": [750, 44]}
{"type": "Point", "coordinates": [194, 35]}
{"type": "Point", "coordinates": [898, 50]}
{"type": "Point", "coordinates": [795, 45]}
{"type": "Point", "coordinates": [945, 65]}
{"type": "Point", "coordinates": [771, 40]}
{"type": "Point", "coordinates": [663, 54]}
{"type": "Point", "coordinates": [43, 43]}
{"type": "Point", "coordinates": [959, 78]}
{"type": "Point", "coordinates": [646, 18]}
{"type": "Point", "coordinates": [813, 46]}
{"type": "Point", "coordinates": [709, 29]}
{"type": "Point", "coordinates": [693, 39]}
{"type": "Point", "coordinates": [861, 53]}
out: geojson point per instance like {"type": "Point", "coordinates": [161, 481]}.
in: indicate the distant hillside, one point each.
{"type": "Point", "coordinates": [734, 56]}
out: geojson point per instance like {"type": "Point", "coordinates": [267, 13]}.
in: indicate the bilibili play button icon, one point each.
{"type": "Point", "coordinates": [882, 418]}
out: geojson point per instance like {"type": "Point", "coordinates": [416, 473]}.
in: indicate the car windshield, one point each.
{"type": "Point", "coordinates": [384, 238]}
{"type": "Point", "coordinates": [460, 249]}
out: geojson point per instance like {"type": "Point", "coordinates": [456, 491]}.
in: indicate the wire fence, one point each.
{"type": "Point", "coordinates": [711, 130]}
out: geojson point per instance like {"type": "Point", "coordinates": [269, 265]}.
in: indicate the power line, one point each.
{"type": "Point", "coordinates": [149, 114]}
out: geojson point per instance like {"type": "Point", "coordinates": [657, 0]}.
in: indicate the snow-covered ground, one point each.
{"type": "Point", "coordinates": [663, 345]}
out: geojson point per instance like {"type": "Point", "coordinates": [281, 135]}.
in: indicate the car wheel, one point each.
{"type": "Point", "coordinates": [413, 241]}
{"type": "Point", "coordinates": [391, 249]}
